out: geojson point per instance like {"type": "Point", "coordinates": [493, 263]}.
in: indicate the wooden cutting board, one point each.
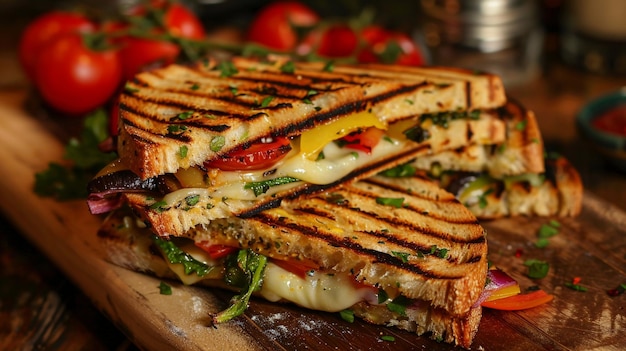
{"type": "Point", "coordinates": [592, 247]}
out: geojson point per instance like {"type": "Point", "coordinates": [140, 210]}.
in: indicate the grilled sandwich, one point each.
{"type": "Point", "coordinates": [239, 136]}
{"type": "Point", "coordinates": [512, 178]}
{"type": "Point", "coordinates": [410, 257]}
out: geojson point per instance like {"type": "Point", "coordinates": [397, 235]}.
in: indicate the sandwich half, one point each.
{"type": "Point", "coordinates": [409, 257]}
{"type": "Point", "coordinates": [511, 178]}
{"type": "Point", "coordinates": [241, 135]}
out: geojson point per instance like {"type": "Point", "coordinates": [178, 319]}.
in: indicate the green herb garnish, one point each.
{"type": "Point", "coordinates": [244, 271]}
{"type": "Point", "coordinates": [537, 269]}
{"type": "Point", "coordinates": [85, 159]}
{"type": "Point", "coordinates": [404, 256]}
{"type": "Point", "coordinates": [405, 170]}
{"type": "Point", "coordinates": [182, 151]}
{"type": "Point", "coordinates": [263, 186]}
{"type": "Point", "coordinates": [217, 143]}
{"type": "Point", "coordinates": [390, 201]}
{"type": "Point", "coordinates": [175, 255]}
{"type": "Point", "coordinates": [399, 305]}
{"type": "Point", "coordinates": [288, 67]}
{"type": "Point", "coordinates": [347, 315]}
{"type": "Point", "coordinates": [165, 289]}
{"type": "Point", "coordinates": [227, 69]}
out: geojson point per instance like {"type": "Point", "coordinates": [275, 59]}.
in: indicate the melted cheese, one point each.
{"type": "Point", "coordinates": [318, 291]}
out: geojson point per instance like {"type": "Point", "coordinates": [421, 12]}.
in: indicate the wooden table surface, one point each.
{"type": "Point", "coordinates": [55, 309]}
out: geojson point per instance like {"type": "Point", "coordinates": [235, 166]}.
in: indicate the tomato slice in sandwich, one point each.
{"type": "Point", "coordinates": [299, 268]}
{"type": "Point", "coordinates": [363, 140]}
{"type": "Point", "coordinates": [216, 251]}
{"type": "Point", "coordinates": [258, 156]}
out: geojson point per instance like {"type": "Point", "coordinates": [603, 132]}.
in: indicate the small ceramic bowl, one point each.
{"type": "Point", "coordinates": [611, 145]}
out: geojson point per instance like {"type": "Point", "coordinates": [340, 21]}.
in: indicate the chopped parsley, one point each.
{"type": "Point", "coordinates": [288, 67]}
{"type": "Point", "coordinates": [387, 338]}
{"type": "Point", "coordinates": [217, 143]}
{"type": "Point", "coordinates": [184, 115]}
{"type": "Point", "coordinates": [521, 126]}
{"type": "Point", "coordinates": [405, 170]}
{"type": "Point", "coordinates": [329, 66]}
{"type": "Point", "coordinates": [192, 200]}
{"type": "Point", "coordinates": [537, 269]}
{"type": "Point", "coordinates": [182, 151]}
{"type": "Point", "coordinates": [266, 101]}
{"type": "Point", "coordinates": [347, 315]}
{"type": "Point", "coordinates": [398, 305]}
{"type": "Point", "coordinates": [227, 69]}
{"type": "Point", "coordinates": [390, 201]}
{"type": "Point", "coordinates": [576, 287]}
{"type": "Point", "coordinates": [404, 256]}
{"type": "Point", "coordinates": [165, 289]}
{"type": "Point", "coordinates": [546, 231]}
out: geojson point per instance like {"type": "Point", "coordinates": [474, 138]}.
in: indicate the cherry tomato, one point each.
{"type": "Point", "coordinates": [257, 156]}
{"type": "Point", "coordinates": [364, 140]}
{"type": "Point", "coordinates": [138, 54]}
{"type": "Point", "coordinates": [216, 251]}
{"type": "Point", "coordinates": [181, 22]}
{"type": "Point", "coordinates": [338, 40]}
{"type": "Point", "coordinates": [75, 79]}
{"type": "Point", "coordinates": [384, 46]}
{"type": "Point", "coordinates": [45, 28]}
{"type": "Point", "coordinates": [274, 26]}
{"type": "Point", "coordinates": [299, 268]}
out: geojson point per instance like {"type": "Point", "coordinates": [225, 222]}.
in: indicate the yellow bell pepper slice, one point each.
{"type": "Point", "coordinates": [313, 140]}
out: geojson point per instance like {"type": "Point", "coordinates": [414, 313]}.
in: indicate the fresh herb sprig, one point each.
{"type": "Point", "coordinates": [244, 271]}
{"type": "Point", "coordinates": [67, 181]}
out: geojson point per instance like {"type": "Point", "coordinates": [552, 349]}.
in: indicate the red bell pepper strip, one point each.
{"type": "Point", "coordinates": [519, 302]}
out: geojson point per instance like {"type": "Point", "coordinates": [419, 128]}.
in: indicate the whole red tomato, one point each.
{"type": "Point", "coordinates": [181, 22]}
{"type": "Point", "coordinates": [385, 46]}
{"type": "Point", "coordinates": [337, 40]}
{"type": "Point", "coordinates": [45, 28]}
{"type": "Point", "coordinates": [274, 26]}
{"type": "Point", "coordinates": [74, 78]}
{"type": "Point", "coordinates": [138, 54]}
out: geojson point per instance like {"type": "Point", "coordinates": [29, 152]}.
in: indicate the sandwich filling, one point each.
{"type": "Point", "coordinates": [319, 156]}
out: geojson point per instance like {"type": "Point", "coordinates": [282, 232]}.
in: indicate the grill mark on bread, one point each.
{"type": "Point", "coordinates": [349, 244]}
{"type": "Point", "coordinates": [468, 95]}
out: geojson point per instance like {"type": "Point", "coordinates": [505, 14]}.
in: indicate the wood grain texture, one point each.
{"type": "Point", "coordinates": [592, 246]}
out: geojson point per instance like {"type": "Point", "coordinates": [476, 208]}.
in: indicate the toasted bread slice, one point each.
{"type": "Point", "coordinates": [521, 152]}
{"type": "Point", "coordinates": [418, 242]}
{"type": "Point", "coordinates": [195, 106]}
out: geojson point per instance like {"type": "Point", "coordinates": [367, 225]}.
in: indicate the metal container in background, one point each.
{"type": "Point", "coordinates": [500, 36]}
{"type": "Point", "coordinates": [593, 35]}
